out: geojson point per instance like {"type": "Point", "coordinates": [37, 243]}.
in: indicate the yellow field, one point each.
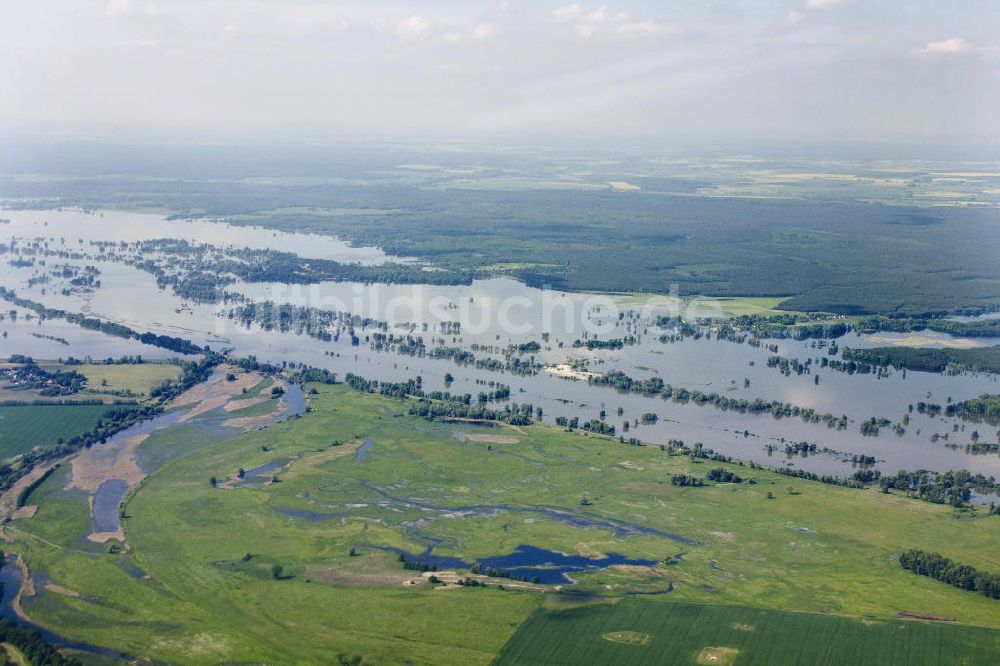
{"type": "Point", "coordinates": [138, 379]}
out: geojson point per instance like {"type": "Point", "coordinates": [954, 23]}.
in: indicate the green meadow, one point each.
{"type": "Point", "coordinates": [294, 569]}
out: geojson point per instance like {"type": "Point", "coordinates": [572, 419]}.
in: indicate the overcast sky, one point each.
{"type": "Point", "coordinates": [859, 68]}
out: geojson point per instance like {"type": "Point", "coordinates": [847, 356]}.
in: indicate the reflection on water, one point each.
{"type": "Point", "coordinates": [108, 498]}
{"type": "Point", "coordinates": [529, 563]}
{"type": "Point", "coordinates": [493, 313]}
{"type": "Point", "coordinates": [131, 227]}
{"type": "Point", "coordinates": [549, 566]}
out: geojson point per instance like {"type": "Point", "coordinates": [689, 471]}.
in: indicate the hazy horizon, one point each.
{"type": "Point", "coordinates": [797, 68]}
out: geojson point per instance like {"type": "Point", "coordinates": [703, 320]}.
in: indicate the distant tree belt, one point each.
{"type": "Point", "coordinates": [803, 327]}
{"type": "Point", "coordinates": [851, 258]}
{"type": "Point", "coordinates": [962, 576]}
{"type": "Point", "coordinates": [984, 359]}
{"type": "Point", "coordinates": [833, 256]}
{"type": "Point", "coordinates": [168, 342]}
{"type": "Point", "coordinates": [206, 269]}
{"type": "Point", "coordinates": [981, 328]}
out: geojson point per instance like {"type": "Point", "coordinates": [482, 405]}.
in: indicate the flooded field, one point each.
{"type": "Point", "coordinates": [492, 315]}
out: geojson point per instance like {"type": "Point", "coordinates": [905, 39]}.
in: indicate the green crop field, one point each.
{"type": "Point", "coordinates": [640, 633]}
{"type": "Point", "coordinates": [210, 591]}
{"type": "Point", "coordinates": [23, 427]}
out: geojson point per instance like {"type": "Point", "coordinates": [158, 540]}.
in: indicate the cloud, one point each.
{"type": "Point", "coordinates": [129, 8]}
{"type": "Point", "coordinates": [603, 22]}
{"type": "Point", "coordinates": [483, 31]}
{"type": "Point", "coordinates": [479, 32]}
{"type": "Point", "coordinates": [826, 4]}
{"type": "Point", "coordinates": [947, 46]}
{"type": "Point", "coordinates": [233, 31]}
{"type": "Point", "coordinates": [794, 16]}
{"type": "Point", "coordinates": [415, 27]}
{"type": "Point", "coordinates": [567, 13]}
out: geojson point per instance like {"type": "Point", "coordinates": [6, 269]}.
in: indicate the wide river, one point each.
{"type": "Point", "coordinates": [496, 313]}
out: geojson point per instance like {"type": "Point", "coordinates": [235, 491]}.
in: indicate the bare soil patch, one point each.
{"type": "Point", "coordinates": [358, 579]}
{"type": "Point", "coordinates": [566, 371]}
{"type": "Point", "coordinates": [252, 422]}
{"type": "Point", "coordinates": [8, 500]}
{"type": "Point", "coordinates": [28, 511]}
{"type": "Point", "coordinates": [200, 392]}
{"type": "Point", "coordinates": [627, 637]}
{"type": "Point", "coordinates": [104, 537]}
{"type": "Point", "coordinates": [924, 616]}
{"type": "Point", "coordinates": [209, 396]}
{"type": "Point", "coordinates": [718, 656]}
{"type": "Point", "coordinates": [234, 405]}
{"type": "Point", "coordinates": [59, 589]}
{"type": "Point", "coordinates": [96, 465]}
{"type": "Point", "coordinates": [489, 439]}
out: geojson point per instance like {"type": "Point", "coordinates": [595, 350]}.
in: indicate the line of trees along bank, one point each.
{"type": "Point", "coordinates": [962, 576]}
{"type": "Point", "coordinates": [923, 359]}
{"type": "Point", "coordinates": [806, 326]}
{"type": "Point", "coordinates": [168, 342]}
{"type": "Point", "coordinates": [443, 405]}
{"type": "Point", "coordinates": [656, 386]}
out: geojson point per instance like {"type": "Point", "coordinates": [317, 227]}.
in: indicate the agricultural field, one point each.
{"type": "Point", "coordinates": [681, 633]}
{"type": "Point", "coordinates": [300, 558]}
{"type": "Point", "coordinates": [137, 379]}
{"type": "Point", "coordinates": [23, 427]}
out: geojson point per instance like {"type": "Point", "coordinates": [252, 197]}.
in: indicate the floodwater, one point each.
{"type": "Point", "coordinates": [363, 450]}
{"type": "Point", "coordinates": [526, 562]}
{"type": "Point", "coordinates": [10, 577]}
{"type": "Point", "coordinates": [549, 566]}
{"type": "Point", "coordinates": [108, 498]}
{"type": "Point", "coordinates": [498, 312]}
{"type": "Point", "coordinates": [131, 227]}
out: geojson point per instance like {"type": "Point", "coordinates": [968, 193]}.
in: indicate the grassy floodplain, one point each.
{"type": "Point", "coordinates": [198, 582]}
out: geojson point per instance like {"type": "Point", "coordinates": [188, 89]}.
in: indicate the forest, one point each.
{"type": "Point", "coordinates": [927, 359]}
{"type": "Point", "coordinates": [844, 256]}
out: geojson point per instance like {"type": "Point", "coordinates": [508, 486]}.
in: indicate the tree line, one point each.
{"type": "Point", "coordinates": [169, 342]}
{"type": "Point", "coordinates": [962, 576]}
